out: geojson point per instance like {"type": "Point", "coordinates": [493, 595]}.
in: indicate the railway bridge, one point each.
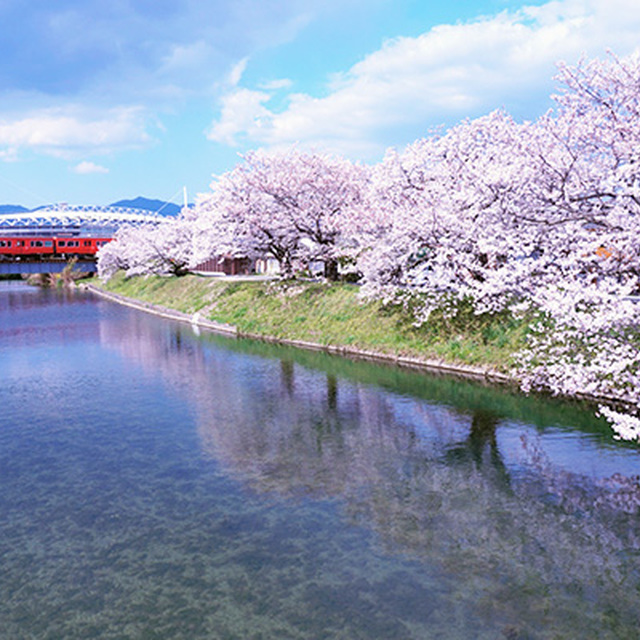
{"type": "Point", "coordinates": [31, 242]}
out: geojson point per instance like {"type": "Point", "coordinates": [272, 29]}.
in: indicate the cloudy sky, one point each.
{"type": "Point", "coordinates": [101, 101]}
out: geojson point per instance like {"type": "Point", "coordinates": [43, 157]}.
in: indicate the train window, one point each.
{"type": "Point", "coordinates": [48, 243]}
{"type": "Point", "coordinates": [36, 243]}
{"type": "Point", "coordinates": [62, 243]}
{"type": "Point", "coordinates": [87, 243]}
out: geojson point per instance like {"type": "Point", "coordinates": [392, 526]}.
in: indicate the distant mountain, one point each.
{"type": "Point", "coordinates": [12, 208]}
{"type": "Point", "coordinates": [17, 208]}
{"type": "Point", "coordinates": [162, 207]}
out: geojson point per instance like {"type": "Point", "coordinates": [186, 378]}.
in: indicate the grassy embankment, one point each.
{"type": "Point", "coordinates": [333, 314]}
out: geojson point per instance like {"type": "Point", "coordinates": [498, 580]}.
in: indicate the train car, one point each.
{"type": "Point", "coordinates": [19, 247]}
{"type": "Point", "coordinates": [33, 247]}
{"type": "Point", "coordinates": [79, 246]}
{"type": "Point", "coordinates": [8, 247]}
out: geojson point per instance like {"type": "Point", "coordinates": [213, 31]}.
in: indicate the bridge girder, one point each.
{"type": "Point", "coordinates": [70, 215]}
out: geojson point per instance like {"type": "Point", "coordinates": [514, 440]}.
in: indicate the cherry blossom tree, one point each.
{"type": "Point", "coordinates": [236, 221]}
{"type": "Point", "coordinates": [592, 209]}
{"type": "Point", "coordinates": [440, 217]}
{"type": "Point", "coordinates": [540, 215]}
{"type": "Point", "coordinates": [117, 254]}
{"type": "Point", "coordinates": [288, 205]}
{"type": "Point", "coordinates": [171, 245]}
{"type": "Point", "coordinates": [159, 249]}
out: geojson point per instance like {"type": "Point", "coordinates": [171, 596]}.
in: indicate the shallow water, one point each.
{"type": "Point", "coordinates": [159, 484]}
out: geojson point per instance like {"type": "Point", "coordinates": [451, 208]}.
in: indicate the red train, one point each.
{"type": "Point", "coordinates": [32, 247]}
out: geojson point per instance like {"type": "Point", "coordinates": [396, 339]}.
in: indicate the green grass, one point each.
{"type": "Point", "coordinates": [334, 314]}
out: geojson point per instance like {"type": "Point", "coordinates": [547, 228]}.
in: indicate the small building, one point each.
{"type": "Point", "coordinates": [226, 265]}
{"type": "Point", "coordinates": [267, 266]}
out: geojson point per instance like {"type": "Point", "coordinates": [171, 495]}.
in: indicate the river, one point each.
{"type": "Point", "coordinates": [156, 483]}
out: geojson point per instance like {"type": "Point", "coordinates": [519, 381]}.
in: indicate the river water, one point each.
{"type": "Point", "coordinates": [155, 483]}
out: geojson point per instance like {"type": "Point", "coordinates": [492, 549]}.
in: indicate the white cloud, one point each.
{"type": "Point", "coordinates": [185, 57]}
{"type": "Point", "coordinates": [236, 72]}
{"type": "Point", "coordinates": [276, 85]}
{"type": "Point", "coordinates": [9, 155]}
{"type": "Point", "coordinates": [128, 50]}
{"type": "Point", "coordinates": [67, 132]}
{"type": "Point", "coordinates": [450, 72]}
{"type": "Point", "coordinates": [86, 167]}
{"type": "Point", "coordinates": [243, 113]}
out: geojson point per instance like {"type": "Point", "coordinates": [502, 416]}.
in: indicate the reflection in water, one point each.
{"type": "Point", "coordinates": [321, 498]}
{"type": "Point", "coordinates": [512, 539]}
{"type": "Point", "coordinates": [332, 393]}
{"type": "Point", "coordinates": [481, 447]}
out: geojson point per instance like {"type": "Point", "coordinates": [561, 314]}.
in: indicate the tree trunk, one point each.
{"type": "Point", "coordinates": [331, 270]}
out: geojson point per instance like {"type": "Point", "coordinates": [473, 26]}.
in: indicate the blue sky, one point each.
{"type": "Point", "coordinates": [101, 101]}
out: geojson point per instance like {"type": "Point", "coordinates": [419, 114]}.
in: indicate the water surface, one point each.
{"type": "Point", "coordinates": [159, 484]}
